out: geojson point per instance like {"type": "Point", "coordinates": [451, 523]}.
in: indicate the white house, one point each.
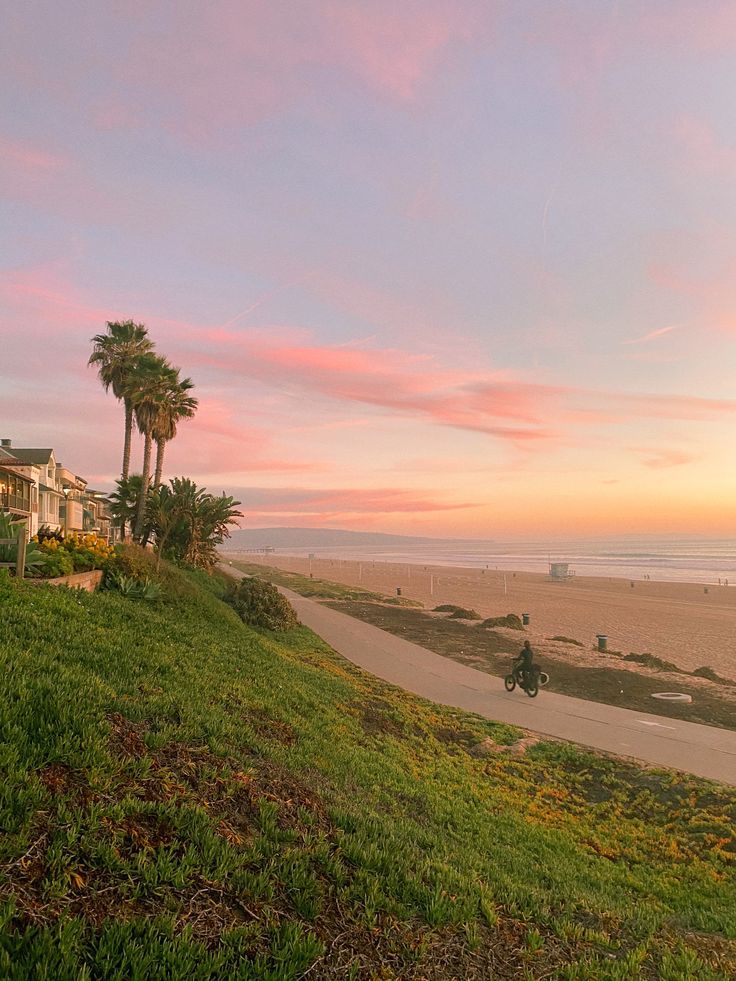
{"type": "Point", "coordinates": [41, 466]}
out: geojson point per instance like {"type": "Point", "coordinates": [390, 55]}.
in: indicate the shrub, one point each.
{"type": "Point", "coordinates": [142, 589]}
{"type": "Point", "coordinates": [711, 675]}
{"type": "Point", "coordinates": [511, 621]}
{"type": "Point", "coordinates": [46, 533]}
{"type": "Point", "coordinates": [561, 639]}
{"type": "Point", "coordinates": [462, 614]}
{"type": "Point", "coordinates": [84, 551]}
{"type": "Point", "coordinates": [134, 561]}
{"type": "Point", "coordinates": [260, 604]}
{"type": "Point", "coordinates": [457, 612]}
{"type": "Point", "coordinates": [651, 661]}
{"type": "Point", "coordinates": [57, 564]}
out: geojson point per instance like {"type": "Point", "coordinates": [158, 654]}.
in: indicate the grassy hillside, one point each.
{"type": "Point", "coordinates": [185, 798]}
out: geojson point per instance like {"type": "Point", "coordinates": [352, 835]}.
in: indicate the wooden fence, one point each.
{"type": "Point", "coordinates": [20, 563]}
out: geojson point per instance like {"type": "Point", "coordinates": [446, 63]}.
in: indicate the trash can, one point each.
{"type": "Point", "coordinates": [525, 619]}
{"type": "Point", "coordinates": [602, 642]}
{"type": "Point", "coordinates": [398, 590]}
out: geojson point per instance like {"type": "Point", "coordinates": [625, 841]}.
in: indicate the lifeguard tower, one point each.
{"type": "Point", "coordinates": [560, 570]}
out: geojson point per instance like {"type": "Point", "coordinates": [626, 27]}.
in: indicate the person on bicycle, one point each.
{"type": "Point", "coordinates": [524, 665]}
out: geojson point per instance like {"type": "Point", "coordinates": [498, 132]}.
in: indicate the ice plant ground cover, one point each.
{"type": "Point", "coordinates": [184, 797]}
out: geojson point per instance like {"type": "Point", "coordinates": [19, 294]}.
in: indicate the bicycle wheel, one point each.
{"type": "Point", "coordinates": [532, 687]}
{"type": "Point", "coordinates": [509, 682]}
{"type": "Point", "coordinates": [543, 679]}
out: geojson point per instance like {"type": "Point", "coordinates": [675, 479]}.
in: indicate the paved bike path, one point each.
{"type": "Point", "coordinates": [701, 750]}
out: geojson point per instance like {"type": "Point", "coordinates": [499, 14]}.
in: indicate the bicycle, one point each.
{"type": "Point", "coordinates": [537, 680]}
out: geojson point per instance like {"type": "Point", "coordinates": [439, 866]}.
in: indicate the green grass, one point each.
{"type": "Point", "coordinates": [320, 588]}
{"type": "Point", "coordinates": [183, 797]}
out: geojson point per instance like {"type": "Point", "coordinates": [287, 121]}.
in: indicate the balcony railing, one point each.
{"type": "Point", "coordinates": [15, 502]}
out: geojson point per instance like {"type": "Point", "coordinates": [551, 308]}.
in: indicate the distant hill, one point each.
{"type": "Point", "coordinates": [316, 538]}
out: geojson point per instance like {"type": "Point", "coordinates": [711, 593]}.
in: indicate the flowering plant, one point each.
{"type": "Point", "coordinates": [85, 551]}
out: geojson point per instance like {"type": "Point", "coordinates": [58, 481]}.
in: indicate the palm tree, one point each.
{"type": "Point", "coordinates": [124, 499]}
{"type": "Point", "coordinates": [188, 523]}
{"type": "Point", "coordinates": [177, 406]}
{"type": "Point", "coordinates": [117, 354]}
{"type": "Point", "coordinates": [151, 383]}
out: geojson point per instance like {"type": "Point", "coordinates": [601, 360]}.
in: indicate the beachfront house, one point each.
{"type": "Point", "coordinates": [41, 468]}
{"type": "Point", "coordinates": [58, 498]}
{"type": "Point", "coordinates": [72, 507]}
{"type": "Point", "coordinates": [97, 514]}
{"type": "Point", "coordinates": [17, 491]}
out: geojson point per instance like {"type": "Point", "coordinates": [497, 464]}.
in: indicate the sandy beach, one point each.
{"type": "Point", "coordinates": [679, 622]}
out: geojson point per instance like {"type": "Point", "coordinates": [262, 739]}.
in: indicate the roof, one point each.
{"type": "Point", "coordinates": [7, 458]}
{"type": "Point", "coordinates": [10, 464]}
{"type": "Point", "coordinates": [50, 490]}
{"type": "Point", "coordinates": [39, 457]}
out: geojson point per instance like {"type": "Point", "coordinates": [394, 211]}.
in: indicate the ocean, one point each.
{"type": "Point", "coordinates": [667, 560]}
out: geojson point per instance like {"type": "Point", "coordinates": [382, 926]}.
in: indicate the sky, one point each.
{"type": "Point", "coordinates": [437, 267]}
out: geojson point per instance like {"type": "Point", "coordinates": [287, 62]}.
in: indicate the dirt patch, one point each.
{"type": "Point", "coordinates": [456, 737]}
{"type": "Point", "coordinates": [141, 833]}
{"type": "Point", "coordinates": [416, 953]}
{"type": "Point", "coordinates": [269, 728]}
{"type": "Point", "coordinates": [376, 720]}
{"type": "Point", "coordinates": [60, 779]}
{"type": "Point", "coordinates": [489, 747]}
{"type": "Point", "coordinates": [126, 737]}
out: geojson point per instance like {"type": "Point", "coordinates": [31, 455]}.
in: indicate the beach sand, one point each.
{"type": "Point", "coordinates": [676, 621]}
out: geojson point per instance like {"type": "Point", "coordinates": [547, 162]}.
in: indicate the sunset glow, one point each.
{"type": "Point", "coordinates": [444, 267]}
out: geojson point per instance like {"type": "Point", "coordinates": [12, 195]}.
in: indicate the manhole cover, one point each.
{"type": "Point", "coordinates": [672, 696]}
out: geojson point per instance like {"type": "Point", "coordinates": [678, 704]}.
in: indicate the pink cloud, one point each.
{"type": "Point", "coordinates": [376, 307]}
{"type": "Point", "coordinates": [520, 412]}
{"type": "Point", "coordinates": [702, 150]}
{"type": "Point", "coordinates": [239, 61]}
{"type": "Point", "coordinates": [115, 115]}
{"type": "Point", "coordinates": [28, 172]}
{"type": "Point", "coordinates": [344, 501]}
{"type": "Point", "coordinates": [394, 47]}
{"type": "Point", "coordinates": [512, 409]}
{"type": "Point", "coordinates": [708, 289]}
{"type": "Point", "coordinates": [615, 407]}
{"type": "Point", "coordinates": [14, 154]}
{"type": "Point", "coordinates": [397, 380]}
{"type": "Point", "coordinates": [651, 336]}
{"type": "Point", "coordinates": [665, 458]}
{"type": "Point", "coordinates": [691, 26]}
{"type": "Point", "coordinates": [590, 38]}
{"type": "Point", "coordinates": [215, 442]}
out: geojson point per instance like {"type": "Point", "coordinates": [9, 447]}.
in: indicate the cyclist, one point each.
{"type": "Point", "coordinates": [524, 665]}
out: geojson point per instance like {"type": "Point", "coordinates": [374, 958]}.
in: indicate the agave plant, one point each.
{"type": "Point", "coordinates": [142, 589]}
{"type": "Point", "coordinates": [35, 559]}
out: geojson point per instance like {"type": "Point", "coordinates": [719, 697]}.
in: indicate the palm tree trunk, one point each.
{"type": "Point", "coordinates": [145, 480]}
{"type": "Point", "coordinates": [128, 437]}
{"type": "Point", "coordinates": [160, 445]}
{"type": "Point", "coordinates": [126, 453]}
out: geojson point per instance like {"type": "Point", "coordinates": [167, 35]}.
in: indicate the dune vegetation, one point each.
{"type": "Point", "coordinates": [186, 797]}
